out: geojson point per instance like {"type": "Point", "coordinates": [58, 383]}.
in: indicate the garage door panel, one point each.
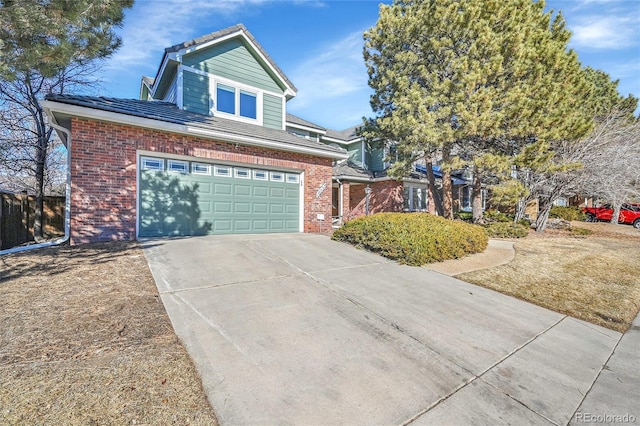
{"type": "Point", "coordinates": [260, 208]}
{"type": "Point", "coordinates": [276, 208]}
{"type": "Point", "coordinates": [222, 207]}
{"type": "Point", "coordinates": [241, 189]}
{"type": "Point", "coordinates": [276, 224]}
{"type": "Point", "coordinates": [277, 193]}
{"type": "Point", "coordinates": [222, 189]}
{"type": "Point", "coordinates": [196, 204]}
{"type": "Point", "coordinates": [222, 226]}
{"type": "Point", "coordinates": [260, 191]}
{"type": "Point", "coordinates": [261, 225]}
{"type": "Point", "coordinates": [242, 225]}
{"type": "Point", "coordinates": [239, 207]}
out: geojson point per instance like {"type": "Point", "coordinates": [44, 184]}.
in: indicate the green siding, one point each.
{"type": "Point", "coordinates": [355, 153]}
{"type": "Point", "coordinates": [234, 61]}
{"type": "Point", "coordinates": [272, 111]}
{"type": "Point", "coordinates": [195, 92]}
{"type": "Point", "coordinates": [144, 95]}
{"type": "Point", "coordinates": [375, 160]}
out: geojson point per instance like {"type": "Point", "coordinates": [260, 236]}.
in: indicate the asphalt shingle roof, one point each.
{"type": "Point", "coordinates": [168, 112]}
{"type": "Point", "coordinates": [302, 122]}
{"type": "Point", "coordinates": [344, 135]}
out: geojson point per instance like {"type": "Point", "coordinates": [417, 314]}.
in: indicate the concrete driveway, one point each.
{"type": "Point", "coordinates": [299, 329]}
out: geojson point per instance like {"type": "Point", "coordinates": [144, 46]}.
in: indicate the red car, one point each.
{"type": "Point", "coordinates": [629, 213]}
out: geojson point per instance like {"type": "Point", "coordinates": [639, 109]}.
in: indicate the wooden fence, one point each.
{"type": "Point", "coordinates": [17, 216]}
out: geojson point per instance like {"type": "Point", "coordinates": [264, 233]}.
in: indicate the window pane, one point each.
{"type": "Point", "coordinates": [415, 205]}
{"type": "Point", "coordinates": [425, 197]}
{"type": "Point", "coordinates": [226, 99]}
{"type": "Point", "coordinates": [178, 166]}
{"type": "Point", "coordinates": [248, 105]}
{"type": "Point", "coordinates": [407, 198]}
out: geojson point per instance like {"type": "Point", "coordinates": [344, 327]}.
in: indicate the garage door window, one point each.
{"type": "Point", "coordinates": [260, 175]}
{"type": "Point", "coordinates": [293, 178]}
{"type": "Point", "coordinates": [152, 164]}
{"type": "Point", "coordinates": [178, 166]}
{"type": "Point", "coordinates": [242, 173]}
{"type": "Point", "coordinates": [222, 171]}
{"type": "Point", "coordinates": [277, 177]}
{"type": "Point", "coordinates": [201, 169]}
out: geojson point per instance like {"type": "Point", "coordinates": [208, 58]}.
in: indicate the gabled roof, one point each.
{"type": "Point", "coordinates": [148, 80]}
{"type": "Point", "coordinates": [295, 120]}
{"type": "Point", "coordinates": [345, 135]}
{"type": "Point", "coordinates": [168, 117]}
{"type": "Point", "coordinates": [217, 36]}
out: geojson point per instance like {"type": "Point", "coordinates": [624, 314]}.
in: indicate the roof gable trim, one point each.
{"type": "Point", "coordinates": [289, 90]}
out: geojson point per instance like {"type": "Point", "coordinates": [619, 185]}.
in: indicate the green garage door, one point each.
{"type": "Point", "coordinates": [194, 198]}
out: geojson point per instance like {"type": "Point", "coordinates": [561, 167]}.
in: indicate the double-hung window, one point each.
{"type": "Point", "coordinates": [231, 100]}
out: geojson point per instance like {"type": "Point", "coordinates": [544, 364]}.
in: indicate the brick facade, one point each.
{"type": "Point", "coordinates": [104, 169]}
{"type": "Point", "coordinates": [385, 196]}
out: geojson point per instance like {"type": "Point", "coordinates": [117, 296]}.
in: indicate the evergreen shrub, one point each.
{"type": "Point", "coordinates": [413, 238]}
{"type": "Point", "coordinates": [567, 213]}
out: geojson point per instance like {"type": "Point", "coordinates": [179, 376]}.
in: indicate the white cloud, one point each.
{"type": "Point", "coordinates": [151, 26]}
{"type": "Point", "coordinates": [333, 71]}
{"type": "Point", "coordinates": [606, 32]}
{"type": "Point", "coordinates": [332, 84]}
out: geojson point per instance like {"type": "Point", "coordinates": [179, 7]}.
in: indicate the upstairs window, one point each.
{"type": "Point", "coordinates": [236, 102]}
{"type": "Point", "coordinates": [248, 105]}
{"type": "Point", "coordinates": [226, 99]}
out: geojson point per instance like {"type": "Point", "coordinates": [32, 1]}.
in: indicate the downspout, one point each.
{"type": "Point", "coordinates": [340, 197]}
{"type": "Point", "coordinates": [67, 205]}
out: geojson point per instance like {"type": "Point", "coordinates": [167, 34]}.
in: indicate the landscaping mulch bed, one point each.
{"type": "Point", "coordinates": [85, 339]}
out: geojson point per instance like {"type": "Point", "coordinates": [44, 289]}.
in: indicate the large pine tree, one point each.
{"type": "Point", "coordinates": [473, 80]}
{"type": "Point", "coordinates": [48, 46]}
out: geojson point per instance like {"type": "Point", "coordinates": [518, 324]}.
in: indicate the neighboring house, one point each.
{"type": "Point", "coordinates": [205, 150]}
{"type": "Point", "coordinates": [366, 171]}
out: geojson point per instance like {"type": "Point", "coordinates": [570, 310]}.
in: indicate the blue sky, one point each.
{"type": "Point", "coordinates": [318, 45]}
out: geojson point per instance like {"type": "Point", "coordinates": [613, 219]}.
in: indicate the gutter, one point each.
{"type": "Point", "coordinates": [67, 205]}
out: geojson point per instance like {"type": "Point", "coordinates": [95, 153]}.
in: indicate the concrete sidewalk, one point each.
{"type": "Point", "coordinates": [299, 329]}
{"type": "Point", "coordinates": [615, 396]}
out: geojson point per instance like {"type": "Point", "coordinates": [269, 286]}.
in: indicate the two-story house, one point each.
{"type": "Point", "coordinates": [205, 150]}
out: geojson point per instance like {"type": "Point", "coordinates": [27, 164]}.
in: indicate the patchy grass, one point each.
{"type": "Point", "coordinates": [592, 277]}
{"type": "Point", "coordinates": [85, 339]}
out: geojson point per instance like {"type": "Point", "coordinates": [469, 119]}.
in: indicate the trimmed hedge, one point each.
{"type": "Point", "coordinates": [413, 238]}
{"type": "Point", "coordinates": [506, 230]}
{"type": "Point", "coordinates": [567, 213]}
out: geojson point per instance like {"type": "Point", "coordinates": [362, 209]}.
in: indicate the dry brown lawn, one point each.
{"type": "Point", "coordinates": [85, 340]}
{"type": "Point", "coordinates": [595, 278]}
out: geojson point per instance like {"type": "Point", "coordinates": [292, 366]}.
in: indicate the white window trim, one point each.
{"type": "Point", "coordinates": [423, 195]}
{"type": "Point", "coordinates": [143, 163]}
{"type": "Point", "coordinates": [194, 170]}
{"type": "Point", "coordinates": [236, 171]}
{"type": "Point", "coordinates": [184, 165]}
{"type": "Point", "coordinates": [294, 175]}
{"type": "Point", "coordinates": [217, 168]}
{"type": "Point", "coordinates": [256, 177]}
{"type": "Point", "coordinates": [214, 80]}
